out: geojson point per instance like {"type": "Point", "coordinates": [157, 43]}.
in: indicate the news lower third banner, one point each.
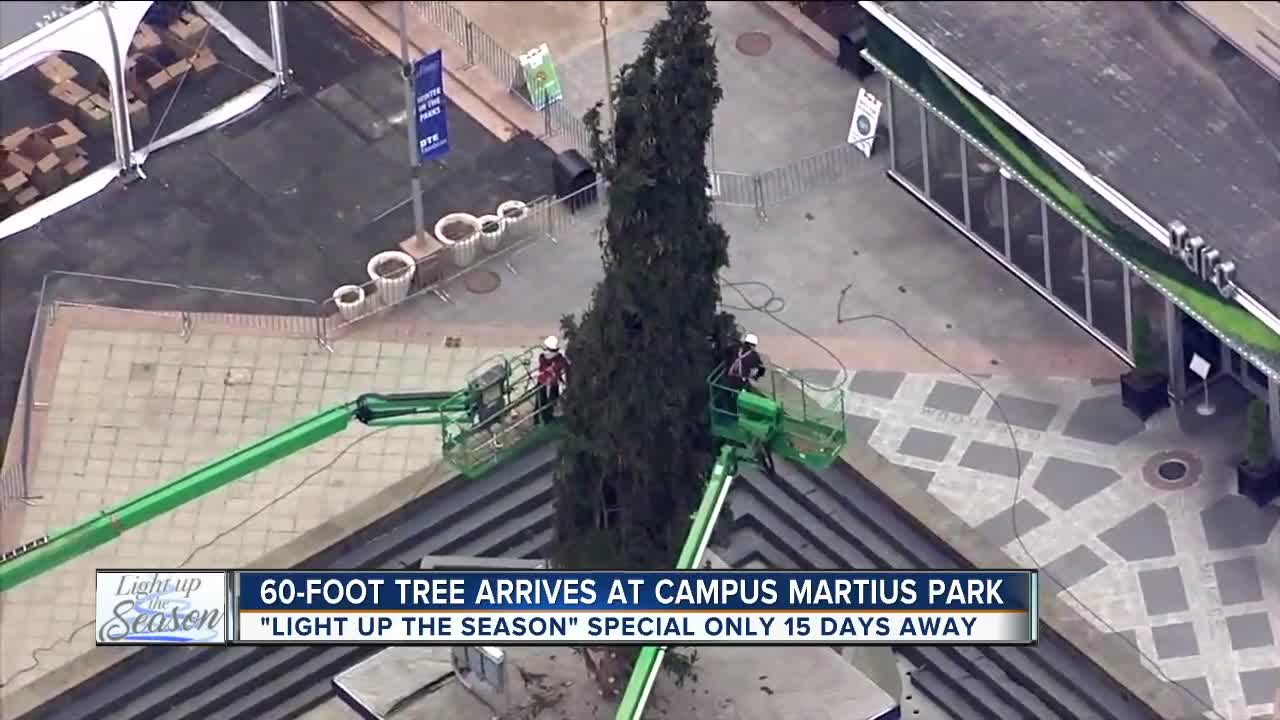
{"type": "Point", "coordinates": [702, 607]}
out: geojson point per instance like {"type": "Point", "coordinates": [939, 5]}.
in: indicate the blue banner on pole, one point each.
{"type": "Point", "coordinates": [428, 91]}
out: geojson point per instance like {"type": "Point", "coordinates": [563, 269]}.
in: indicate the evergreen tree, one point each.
{"type": "Point", "coordinates": [636, 409]}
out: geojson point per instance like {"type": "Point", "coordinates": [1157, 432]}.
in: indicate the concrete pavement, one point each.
{"type": "Point", "coordinates": [134, 405]}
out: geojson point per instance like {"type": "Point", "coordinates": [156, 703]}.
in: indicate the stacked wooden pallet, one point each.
{"type": "Point", "coordinates": [38, 161]}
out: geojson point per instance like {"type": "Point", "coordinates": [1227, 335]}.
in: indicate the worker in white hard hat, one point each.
{"type": "Point", "coordinates": [553, 371]}
{"type": "Point", "coordinates": [745, 366]}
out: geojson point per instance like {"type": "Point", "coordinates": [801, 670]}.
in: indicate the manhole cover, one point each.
{"type": "Point", "coordinates": [1172, 470]}
{"type": "Point", "coordinates": [754, 44]}
{"type": "Point", "coordinates": [482, 282]}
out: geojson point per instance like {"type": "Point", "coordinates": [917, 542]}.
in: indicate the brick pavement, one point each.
{"type": "Point", "coordinates": [1184, 569]}
{"type": "Point", "coordinates": [132, 405]}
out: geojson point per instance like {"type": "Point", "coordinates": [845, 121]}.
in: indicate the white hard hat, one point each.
{"type": "Point", "coordinates": [551, 343]}
{"type": "Point", "coordinates": [751, 339]}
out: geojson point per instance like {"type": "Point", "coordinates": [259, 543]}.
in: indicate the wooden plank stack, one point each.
{"type": "Point", "coordinates": [39, 160]}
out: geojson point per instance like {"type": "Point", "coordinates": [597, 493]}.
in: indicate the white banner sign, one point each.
{"type": "Point", "coordinates": [1200, 366]}
{"type": "Point", "coordinates": [866, 117]}
{"type": "Point", "coordinates": [159, 607]}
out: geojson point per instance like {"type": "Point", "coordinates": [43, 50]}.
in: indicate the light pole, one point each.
{"type": "Point", "coordinates": [608, 69]}
{"type": "Point", "coordinates": [411, 123]}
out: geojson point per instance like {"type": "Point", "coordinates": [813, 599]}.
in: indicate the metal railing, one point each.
{"type": "Point", "coordinates": [547, 220]}
{"type": "Point", "coordinates": [759, 191]}
{"type": "Point", "coordinates": [187, 309]}
{"type": "Point", "coordinates": [481, 49]}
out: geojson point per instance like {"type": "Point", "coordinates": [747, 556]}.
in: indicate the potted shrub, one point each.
{"type": "Point", "coordinates": [350, 301]}
{"type": "Point", "coordinates": [514, 215]}
{"type": "Point", "coordinates": [391, 272]}
{"type": "Point", "coordinates": [1258, 475]}
{"type": "Point", "coordinates": [491, 227]}
{"type": "Point", "coordinates": [459, 232]}
{"type": "Point", "coordinates": [1145, 389]}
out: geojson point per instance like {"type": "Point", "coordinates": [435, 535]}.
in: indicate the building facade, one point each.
{"type": "Point", "coordinates": [1042, 218]}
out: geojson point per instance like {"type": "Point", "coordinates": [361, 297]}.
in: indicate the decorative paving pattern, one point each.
{"type": "Point", "coordinates": [1074, 566]}
{"type": "Point", "coordinates": [1030, 414]}
{"type": "Point", "coordinates": [953, 398]}
{"type": "Point", "coordinates": [1251, 630]}
{"type": "Point", "coordinates": [860, 428]}
{"type": "Point", "coordinates": [1238, 581]}
{"type": "Point", "coordinates": [926, 444]}
{"type": "Point", "coordinates": [1000, 529]}
{"type": "Point", "coordinates": [1096, 420]}
{"type": "Point", "coordinates": [997, 459]}
{"type": "Point", "coordinates": [1187, 573]}
{"type": "Point", "coordinates": [877, 383]}
{"type": "Point", "coordinates": [1235, 522]}
{"type": "Point", "coordinates": [1177, 640]}
{"type": "Point", "coordinates": [924, 477]}
{"type": "Point", "coordinates": [1163, 591]}
{"type": "Point", "coordinates": [1144, 535]}
{"type": "Point", "coordinates": [1067, 483]}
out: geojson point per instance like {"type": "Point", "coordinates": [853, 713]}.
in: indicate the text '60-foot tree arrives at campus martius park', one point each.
{"type": "Point", "coordinates": [637, 445]}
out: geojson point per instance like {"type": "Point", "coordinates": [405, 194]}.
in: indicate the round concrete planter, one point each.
{"type": "Point", "coordinates": [391, 272]}
{"type": "Point", "coordinates": [460, 233]}
{"type": "Point", "coordinates": [350, 301]}
{"type": "Point", "coordinates": [515, 220]}
{"type": "Point", "coordinates": [491, 231]}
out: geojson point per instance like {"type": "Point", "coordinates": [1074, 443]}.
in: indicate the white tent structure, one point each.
{"type": "Point", "coordinates": [103, 32]}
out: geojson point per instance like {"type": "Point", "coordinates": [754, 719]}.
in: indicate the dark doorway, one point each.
{"type": "Point", "coordinates": [1198, 341]}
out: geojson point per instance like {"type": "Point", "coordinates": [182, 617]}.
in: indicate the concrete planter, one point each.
{"type": "Point", "coordinates": [460, 233]}
{"type": "Point", "coordinates": [1259, 484]}
{"type": "Point", "coordinates": [391, 272]}
{"type": "Point", "coordinates": [1144, 394]}
{"type": "Point", "coordinates": [516, 221]}
{"type": "Point", "coordinates": [492, 229]}
{"type": "Point", "coordinates": [350, 301]}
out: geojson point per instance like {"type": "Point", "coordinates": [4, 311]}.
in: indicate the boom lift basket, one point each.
{"type": "Point", "coordinates": [779, 412]}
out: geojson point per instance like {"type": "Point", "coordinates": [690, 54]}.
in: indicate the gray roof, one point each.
{"type": "Point", "coordinates": [18, 19]}
{"type": "Point", "coordinates": [1139, 95]}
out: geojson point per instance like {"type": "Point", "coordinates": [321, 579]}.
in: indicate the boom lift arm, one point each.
{"type": "Point", "coordinates": [776, 417]}
{"type": "Point", "coordinates": [50, 551]}
{"type": "Point", "coordinates": [483, 424]}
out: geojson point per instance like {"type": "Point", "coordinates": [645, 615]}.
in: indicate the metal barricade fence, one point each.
{"type": "Point", "coordinates": [182, 309]}
{"type": "Point", "coordinates": [481, 49]}
{"type": "Point", "coordinates": [807, 174]}
{"type": "Point", "coordinates": [735, 189]}
{"type": "Point", "coordinates": [547, 220]}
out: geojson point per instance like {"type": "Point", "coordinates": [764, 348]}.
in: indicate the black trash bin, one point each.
{"type": "Point", "coordinates": [570, 175]}
{"type": "Point", "coordinates": [850, 58]}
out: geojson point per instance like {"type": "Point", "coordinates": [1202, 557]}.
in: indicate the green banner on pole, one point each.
{"type": "Point", "coordinates": [540, 77]}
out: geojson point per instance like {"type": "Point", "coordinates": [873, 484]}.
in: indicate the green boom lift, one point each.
{"type": "Point", "coordinates": [485, 423]}
{"type": "Point", "coordinates": [776, 416]}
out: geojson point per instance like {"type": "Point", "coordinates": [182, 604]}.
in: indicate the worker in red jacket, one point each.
{"type": "Point", "coordinates": [553, 371]}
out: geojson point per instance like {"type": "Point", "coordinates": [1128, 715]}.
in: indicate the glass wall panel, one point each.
{"type": "Point", "coordinates": [908, 155]}
{"type": "Point", "coordinates": [1257, 376]}
{"type": "Point", "coordinates": [1026, 231]}
{"type": "Point", "coordinates": [1066, 262]}
{"type": "Point", "coordinates": [986, 202]}
{"type": "Point", "coordinates": [1147, 302]}
{"type": "Point", "coordinates": [946, 184]}
{"type": "Point", "coordinates": [1106, 293]}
